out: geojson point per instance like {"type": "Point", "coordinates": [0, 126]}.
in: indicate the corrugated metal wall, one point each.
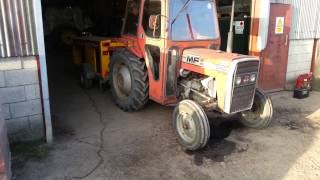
{"type": "Point", "coordinates": [17, 28]}
{"type": "Point", "coordinates": [306, 18]}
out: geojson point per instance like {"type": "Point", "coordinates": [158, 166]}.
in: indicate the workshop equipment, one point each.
{"type": "Point", "coordinates": [168, 53]}
{"type": "Point", "coordinates": [303, 86]}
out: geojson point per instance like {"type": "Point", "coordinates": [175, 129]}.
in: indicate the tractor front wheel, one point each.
{"type": "Point", "coordinates": [128, 81]}
{"type": "Point", "coordinates": [260, 115]}
{"type": "Point", "coordinates": [191, 125]}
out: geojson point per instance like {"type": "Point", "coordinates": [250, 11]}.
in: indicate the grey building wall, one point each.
{"type": "Point", "coordinates": [299, 59]}
{"type": "Point", "coordinates": [5, 173]}
{"type": "Point", "coordinates": [20, 89]}
{"type": "Point", "coordinates": [27, 111]}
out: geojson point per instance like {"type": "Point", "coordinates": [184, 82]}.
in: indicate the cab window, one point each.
{"type": "Point", "coordinates": [152, 7]}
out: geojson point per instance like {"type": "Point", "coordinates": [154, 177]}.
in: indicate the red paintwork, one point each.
{"type": "Point", "coordinates": [314, 56]}
{"type": "Point", "coordinates": [304, 81]}
{"type": "Point", "coordinates": [275, 56]}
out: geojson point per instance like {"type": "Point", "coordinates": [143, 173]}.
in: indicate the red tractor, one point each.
{"type": "Point", "coordinates": [168, 52]}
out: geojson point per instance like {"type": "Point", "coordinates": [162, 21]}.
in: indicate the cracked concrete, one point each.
{"type": "Point", "coordinates": [142, 145]}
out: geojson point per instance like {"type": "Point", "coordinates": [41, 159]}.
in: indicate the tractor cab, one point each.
{"type": "Point", "coordinates": [161, 30]}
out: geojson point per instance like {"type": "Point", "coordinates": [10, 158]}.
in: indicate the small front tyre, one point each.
{"type": "Point", "coordinates": [260, 116]}
{"type": "Point", "coordinates": [191, 125]}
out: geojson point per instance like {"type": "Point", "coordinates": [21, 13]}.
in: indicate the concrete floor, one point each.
{"type": "Point", "coordinates": [96, 140]}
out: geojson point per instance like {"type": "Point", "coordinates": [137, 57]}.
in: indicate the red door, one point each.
{"type": "Point", "coordinates": [275, 56]}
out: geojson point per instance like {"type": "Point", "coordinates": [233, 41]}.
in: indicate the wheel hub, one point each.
{"type": "Point", "coordinates": [186, 127]}
{"type": "Point", "coordinates": [122, 80]}
{"type": "Point", "coordinates": [253, 114]}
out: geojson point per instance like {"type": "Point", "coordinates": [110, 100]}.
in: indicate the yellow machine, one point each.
{"type": "Point", "coordinates": [92, 54]}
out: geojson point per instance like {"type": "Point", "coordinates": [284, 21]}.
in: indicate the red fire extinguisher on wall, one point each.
{"type": "Point", "coordinates": [303, 86]}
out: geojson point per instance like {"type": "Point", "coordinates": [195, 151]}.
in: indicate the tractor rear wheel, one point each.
{"type": "Point", "coordinates": [128, 81]}
{"type": "Point", "coordinates": [191, 125]}
{"type": "Point", "coordinates": [260, 115]}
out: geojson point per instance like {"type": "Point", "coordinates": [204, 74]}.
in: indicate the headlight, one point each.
{"type": "Point", "coordinates": [238, 81]}
{"type": "Point", "coordinates": [253, 78]}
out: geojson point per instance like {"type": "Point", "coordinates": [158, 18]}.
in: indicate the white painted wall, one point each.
{"type": "Point", "coordinates": [300, 58]}
{"type": "Point", "coordinates": [263, 24]}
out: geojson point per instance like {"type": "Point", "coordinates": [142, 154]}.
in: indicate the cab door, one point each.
{"type": "Point", "coordinates": [152, 40]}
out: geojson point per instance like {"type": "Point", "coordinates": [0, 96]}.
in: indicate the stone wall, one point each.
{"type": "Point", "coordinates": [20, 91]}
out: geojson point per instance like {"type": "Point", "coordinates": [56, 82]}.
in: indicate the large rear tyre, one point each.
{"type": "Point", "coordinates": [128, 81]}
{"type": "Point", "coordinates": [260, 116]}
{"type": "Point", "coordinates": [191, 125]}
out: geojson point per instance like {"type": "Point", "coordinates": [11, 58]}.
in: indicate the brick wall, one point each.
{"type": "Point", "coordinates": [20, 91]}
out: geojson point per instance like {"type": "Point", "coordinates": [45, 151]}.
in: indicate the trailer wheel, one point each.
{"type": "Point", "coordinates": [128, 81]}
{"type": "Point", "coordinates": [85, 82]}
{"type": "Point", "coordinates": [191, 125]}
{"type": "Point", "coordinates": [261, 114]}
{"type": "Point", "coordinates": [86, 76]}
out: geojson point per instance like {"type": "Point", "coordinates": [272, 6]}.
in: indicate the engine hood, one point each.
{"type": "Point", "coordinates": [210, 60]}
{"type": "Point", "coordinates": [221, 66]}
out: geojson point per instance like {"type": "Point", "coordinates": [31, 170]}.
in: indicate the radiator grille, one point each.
{"type": "Point", "coordinates": [243, 95]}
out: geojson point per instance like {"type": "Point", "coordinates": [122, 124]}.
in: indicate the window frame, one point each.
{"type": "Point", "coordinates": [217, 29]}
{"type": "Point", "coordinates": [160, 19]}
{"type": "Point", "coordinates": [125, 19]}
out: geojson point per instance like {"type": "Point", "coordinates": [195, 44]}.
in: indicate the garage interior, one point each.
{"type": "Point", "coordinates": [65, 19]}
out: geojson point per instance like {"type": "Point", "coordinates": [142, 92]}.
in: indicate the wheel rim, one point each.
{"type": "Point", "coordinates": [255, 113]}
{"type": "Point", "coordinates": [122, 80]}
{"type": "Point", "coordinates": [186, 127]}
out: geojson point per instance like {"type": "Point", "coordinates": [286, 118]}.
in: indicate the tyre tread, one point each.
{"type": "Point", "coordinates": [204, 124]}
{"type": "Point", "coordinates": [140, 94]}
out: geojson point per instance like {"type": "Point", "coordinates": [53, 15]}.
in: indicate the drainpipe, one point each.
{"type": "Point", "coordinates": [314, 56]}
{"type": "Point", "coordinates": [230, 34]}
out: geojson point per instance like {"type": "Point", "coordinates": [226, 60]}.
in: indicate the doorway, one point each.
{"type": "Point", "coordinates": [241, 26]}
{"type": "Point", "coordinates": [275, 56]}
